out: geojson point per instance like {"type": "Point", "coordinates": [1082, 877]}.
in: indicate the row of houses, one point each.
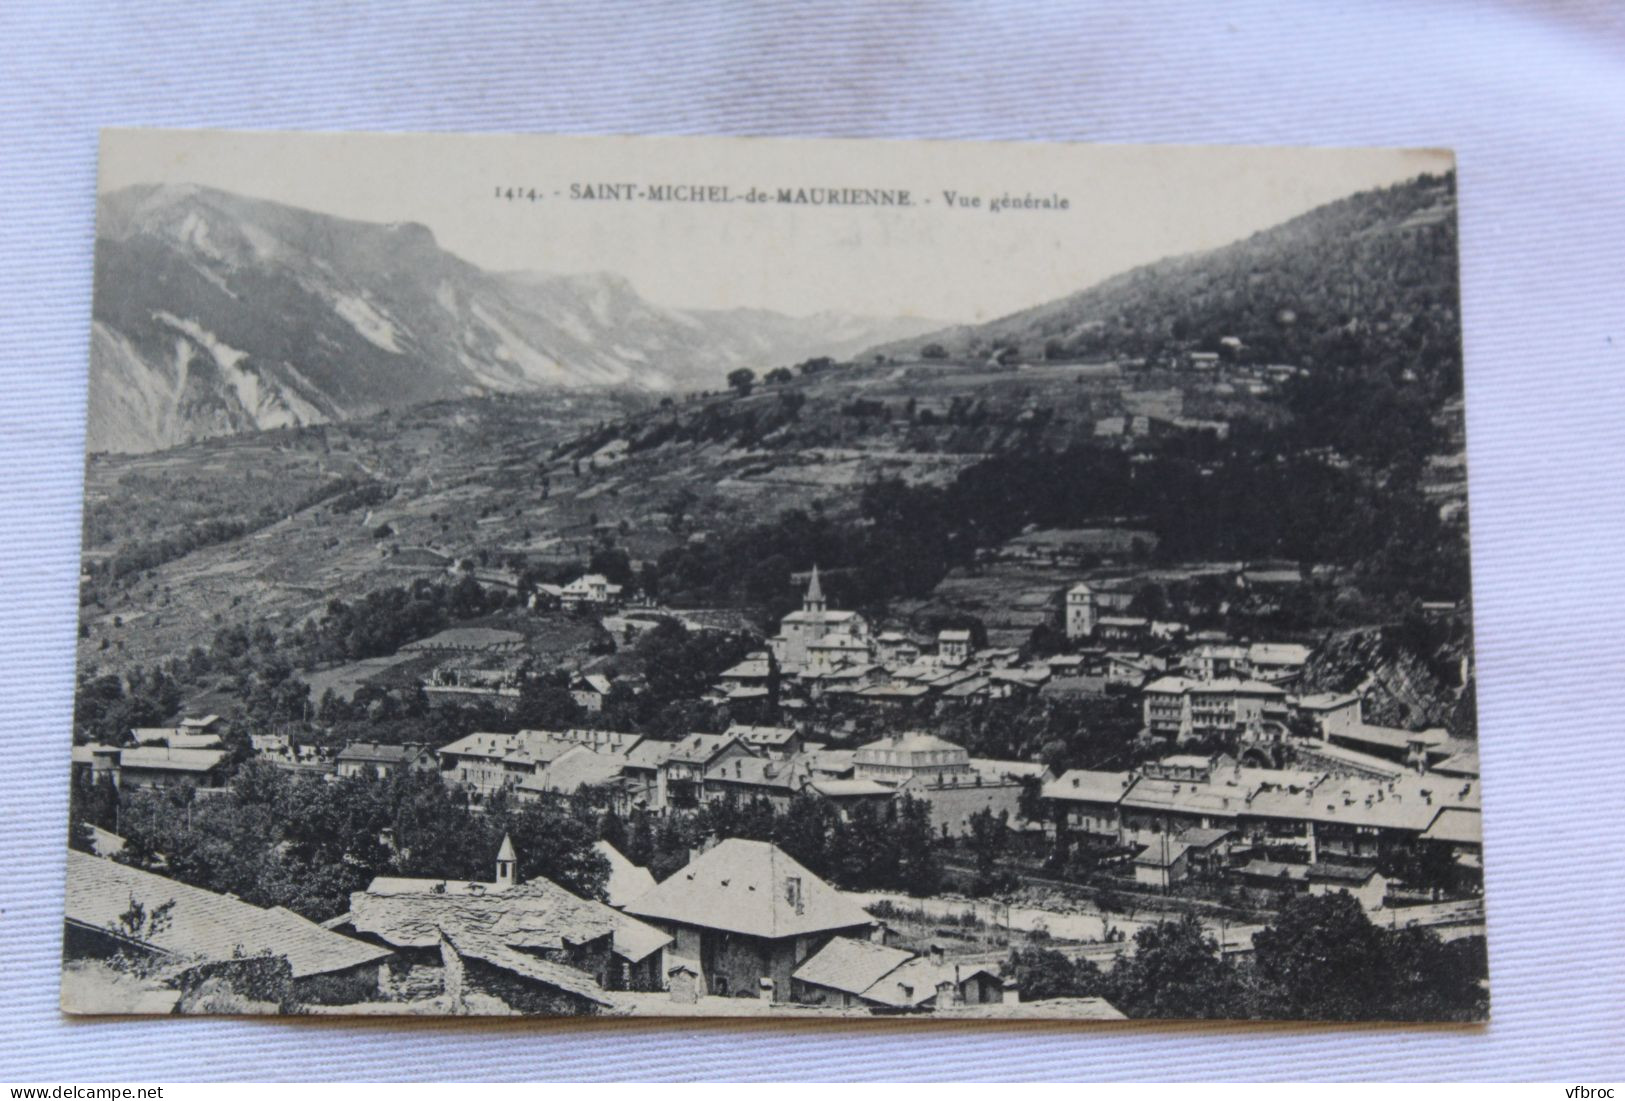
{"type": "Point", "coordinates": [1184, 811]}
{"type": "Point", "coordinates": [772, 763]}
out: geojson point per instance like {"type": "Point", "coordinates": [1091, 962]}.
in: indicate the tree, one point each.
{"type": "Point", "coordinates": [778, 375]}
{"type": "Point", "coordinates": [742, 379]}
{"type": "Point", "coordinates": [988, 842]}
{"type": "Point", "coordinates": [933, 351]}
{"type": "Point", "coordinates": [1044, 973]}
{"type": "Point", "coordinates": [1323, 959]}
{"type": "Point", "coordinates": [1175, 971]}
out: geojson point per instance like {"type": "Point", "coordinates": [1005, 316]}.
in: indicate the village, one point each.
{"type": "Point", "coordinates": [1243, 794]}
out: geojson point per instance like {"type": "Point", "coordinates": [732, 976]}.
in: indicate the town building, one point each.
{"type": "Point", "coordinates": [691, 759]}
{"type": "Point", "coordinates": [590, 691]}
{"type": "Point", "coordinates": [382, 761]}
{"type": "Point", "coordinates": [573, 774]}
{"type": "Point", "coordinates": [161, 766]}
{"type": "Point", "coordinates": [745, 916]}
{"type": "Point", "coordinates": [592, 590]}
{"type": "Point", "coordinates": [953, 646]}
{"type": "Point", "coordinates": [1088, 802]}
{"type": "Point", "coordinates": [1182, 708]}
{"type": "Point", "coordinates": [643, 776]}
{"type": "Point", "coordinates": [772, 741]}
{"type": "Point", "coordinates": [912, 757]}
{"type": "Point", "coordinates": [774, 780]}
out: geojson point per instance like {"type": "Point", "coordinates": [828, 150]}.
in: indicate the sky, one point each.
{"type": "Point", "coordinates": [936, 258]}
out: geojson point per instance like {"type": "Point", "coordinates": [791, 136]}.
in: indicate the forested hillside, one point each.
{"type": "Point", "coordinates": [1369, 281]}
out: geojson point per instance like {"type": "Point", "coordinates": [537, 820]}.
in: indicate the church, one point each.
{"type": "Point", "coordinates": [816, 639]}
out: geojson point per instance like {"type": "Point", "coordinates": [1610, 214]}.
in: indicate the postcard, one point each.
{"type": "Point", "coordinates": [555, 576]}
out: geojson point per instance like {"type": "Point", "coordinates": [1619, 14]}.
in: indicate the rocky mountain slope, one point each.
{"type": "Point", "coordinates": [216, 313]}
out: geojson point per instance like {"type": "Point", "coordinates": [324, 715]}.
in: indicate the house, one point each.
{"type": "Point", "coordinates": [940, 774]}
{"type": "Point", "coordinates": [1328, 711]}
{"type": "Point", "coordinates": [756, 671]}
{"type": "Point", "coordinates": [1365, 883]}
{"type": "Point", "coordinates": [381, 761]}
{"type": "Point", "coordinates": [1350, 820]}
{"type": "Point", "coordinates": [1207, 849]}
{"type": "Point", "coordinates": [208, 928]}
{"type": "Point", "coordinates": [475, 763]}
{"type": "Point", "coordinates": [953, 647]}
{"type": "Point", "coordinates": [689, 760]}
{"type": "Point", "coordinates": [1132, 670]}
{"type": "Point", "coordinates": [573, 773]}
{"type": "Point", "coordinates": [772, 741]}
{"type": "Point", "coordinates": [1182, 708]}
{"type": "Point", "coordinates": [911, 756]}
{"type": "Point", "coordinates": [1124, 628]}
{"type": "Point", "coordinates": [893, 648]}
{"type": "Point", "coordinates": [203, 724]}
{"type": "Point", "coordinates": [95, 761]}
{"type": "Point", "coordinates": [850, 972]}
{"type": "Point", "coordinates": [161, 766]}
{"type": "Point", "coordinates": [583, 946]}
{"type": "Point", "coordinates": [775, 780]}
{"type": "Point", "coordinates": [1276, 662]}
{"type": "Point", "coordinates": [1212, 660]}
{"type": "Point", "coordinates": [590, 691]}
{"type": "Point", "coordinates": [643, 776]}
{"type": "Point", "coordinates": [746, 916]}
{"type": "Point", "coordinates": [817, 637]}
{"type": "Point", "coordinates": [1086, 801]}
{"type": "Point", "coordinates": [1162, 863]}
{"type": "Point", "coordinates": [846, 795]}
{"type": "Point", "coordinates": [592, 590]}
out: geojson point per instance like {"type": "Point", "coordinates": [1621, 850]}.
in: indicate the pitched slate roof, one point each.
{"type": "Point", "coordinates": [851, 966]}
{"type": "Point", "coordinates": [1163, 854]}
{"type": "Point", "coordinates": [764, 772]}
{"type": "Point", "coordinates": [740, 886]}
{"type": "Point", "coordinates": [916, 981]}
{"type": "Point", "coordinates": [203, 923]}
{"type": "Point", "coordinates": [491, 950]}
{"type": "Point", "coordinates": [535, 914]}
{"type": "Point", "coordinates": [648, 754]}
{"type": "Point", "coordinates": [627, 880]}
{"type": "Point", "coordinates": [574, 769]}
{"type": "Point", "coordinates": [1089, 786]}
{"type": "Point", "coordinates": [763, 735]}
{"type": "Point", "coordinates": [372, 751]}
{"type": "Point", "coordinates": [698, 749]}
{"type": "Point", "coordinates": [171, 760]}
{"type": "Point", "coordinates": [1457, 825]}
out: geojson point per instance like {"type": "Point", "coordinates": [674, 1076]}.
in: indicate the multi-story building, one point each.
{"type": "Point", "coordinates": [910, 757]}
{"type": "Point", "coordinates": [1183, 708]}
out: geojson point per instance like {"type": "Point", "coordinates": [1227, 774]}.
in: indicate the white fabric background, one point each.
{"type": "Point", "coordinates": [1531, 96]}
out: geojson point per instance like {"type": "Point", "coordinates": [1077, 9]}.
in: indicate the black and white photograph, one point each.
{"type": "Point", "coordinates": [816, 579]}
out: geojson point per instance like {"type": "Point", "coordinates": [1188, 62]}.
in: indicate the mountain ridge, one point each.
{"type": "Point", "coordinates": [216, 313]}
